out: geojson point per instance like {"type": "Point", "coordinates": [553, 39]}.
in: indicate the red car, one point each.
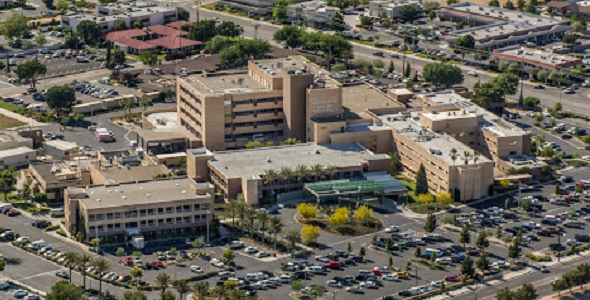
{"type": "Point", "coordinates": [376, 272]}
{"type": "Point", "coordinates": [472, 253]}
{"type": "Point", "coordinates": [157, 264]}
{"type": "Point", "coordinates": [453, 278]}
{"type": "Point", "coordinates": [123, 278]}
{"type": "Point", "coordinates": [333, 265]}
{"type": "Point", "coordinates": [128, 260]}
{"type": "Point", "coordinates": [13, 213]}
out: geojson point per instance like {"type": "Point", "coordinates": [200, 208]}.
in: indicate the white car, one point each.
{"type": "Point", "coordinates": [262, 254]}
{"type": "Point", "coordinates": [436, 283]}
{"type": "Point", "coordinates": [108, 275]}
{"type": "Point", "coordinates": [354, 289]}
{"type": "Point", "coordinates": [392, 229]}
{"type": "Point", "coordinates": [23, 239]}
{"type": "Point", "coordinates": [285, 278]}
{"type": "Point", "coordinates": [20, 293]}
{"type": "Point", "coordinates": [196, 269]}
{"type": "Point", "coordinates": [251, 250]}
{"type": "Point", "coordinates": [444, 260]}
{"type": "Point", "coordinates": [32, 297]}
{"type": "Point", "coordinates": [368, 284]}
{"type": "Point", "coordinates": [217, 263]}
{"type": "Point", "coordinates": [390, 277]}
{"type": "Point", "coordinates": [48, 56]}
{"type": "Point", "coordinates": [333, 283]}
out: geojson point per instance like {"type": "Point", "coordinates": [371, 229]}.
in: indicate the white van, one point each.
{"type": "Point", "coordinates": [37, 245]}
{"type": "Point", "coordinates": [104, 80]}
{"type": "Point", "coordinates": [6, 205]}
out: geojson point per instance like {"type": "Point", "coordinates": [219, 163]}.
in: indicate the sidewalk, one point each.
{"type": "Point", "coordinates": [29, 121]}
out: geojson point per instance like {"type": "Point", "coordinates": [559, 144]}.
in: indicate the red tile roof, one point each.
{"type": "Point", "coordinates": [177, 25]}
{"type": "Point", "coordinates": [165, 31]}
{"type": "Point", "coordinates": [174, 42]}
{"type": "Point", "coordinates": [125, 34]}
{"type": "Point", "coordinates": [135, 44]}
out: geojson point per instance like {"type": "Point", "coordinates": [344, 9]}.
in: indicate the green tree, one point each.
{"type": "Point", "coordinates": [465, 42]}
{"type": "Point", "coordinates": [183, 14]}
{"type": "Point", "coordinates": [202, 31]}
{"type": "Point", "coordinates": [494, 3]}
{"type": "Point", "coordinates": [280, 10]}
{"type": "Point", "coordinates": [483, 263]}
{"type": "Point", "coordinates": [48, 3]}
{"type": "Point", "coordinates": [337, 22]}
{"type": "Point", "coordinates": [465, 237]}
{"type": "Point", "coordinates": [542, 75]}
{"type": "Point", "coordinates": [467, 267]}
{"type": "Point", "coordinates": [72, 41]}
{"type": "Point", "coordinates": [290, 35]}
{"type": "Point", "coordinates": [530, 8]}
{"type": "Point", "coordinates": [569, 38]}
{"type": "Point", "coordinates": [181, 286]}
{"type": "Point", "coordinates": [60, 98]}
{"type": "Point", "coordinates": [505, 294]}
{"type": "Point", "coordinates": [200, 290]}
{"type": "Point", "coordinates": [531, 102]}
{"type": "Point", "coordinates": [30, 70]}
{"type": "Point", "coordinates": [526, 292]}
{"type": "Point", "coordinates": [62, 5]}
{"type": "Point", "coordinates": [442, 74]}
{"type": "Point", "coordinates": [430, 225]}
{"type": "Point", "coordinates": [509, 5]}
{"type": "Point", "coordinates": [362, 251]}
{"type": "Point", "coordinates": [148, 58]}
{"type": "Point", "coordinates": [121, 25]}
{"type": "Point", "coordinates": [515, 249]}
{"type": "Point", "coordinates": [297, 285]}
{"type": "Point", "coordinates": [40, 40]}
{"type": "Point", "coordinates": [217, 43]}
{"type": "Point", "coordinates": [134, 295]}
{"type": "Point", "coordinates": [418, 252]}
{"type": "Point", "coordinates": [520, 4]}
{"type": "Point", "coordinates": [482, 241]}
{"type": "Point", "coordinates": [408, 12]}
{"type": "Point", "coordinates": [119, 57]}
{"type": "Point", "coordinates": [163, 281]}
{"type": "Point", "coordinates": [229, 29]}
{"type": "Point", "coordinates": [66, 291]}
{"type": "Point", "coordinates": [100, 265]}
{"type": "Point", "coordinates": [14, 27]}
{"type": "Point", "coordinates": [120, 252]}
{"type": "Point", "coordinates": [408, 70]}
{"type": "Point", "coordinates": [421, 181]}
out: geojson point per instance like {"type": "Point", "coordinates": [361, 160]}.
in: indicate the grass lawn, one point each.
{"type": "Point", "coordinates": [411, 185]}
{"type": "Point", "coordinates": [136, 57]}
{"type": "Point", "coordinates": [428, 264]}
{"type": "Point", "coordinates": [133, 117]}
{"type": "Point", "coordinates": [577, 163]}
{"type": "Point", "coordinates": [8, 122]}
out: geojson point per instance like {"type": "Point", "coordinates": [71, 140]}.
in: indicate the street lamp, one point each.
{"type": "Point", "coordinates": [256, 25]}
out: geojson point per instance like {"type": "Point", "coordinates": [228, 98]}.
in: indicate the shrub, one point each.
{"type": "Point", "coordinates": [61, 232]}
{"type": "Point", "coordinates": [52, 227]}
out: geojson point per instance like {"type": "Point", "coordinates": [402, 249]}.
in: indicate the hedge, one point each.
{"type": "Point", "coordinates": [52, 227]}
{"type": "Point", "coordinates": [537, 258]}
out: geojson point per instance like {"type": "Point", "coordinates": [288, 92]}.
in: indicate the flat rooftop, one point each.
{"type": "Point", "coordinates": [502, 13]}
{"type": "Point", "coordinates": [10, 136]}
{"type": "Point", "coordinates": [61, 145]}
{"type": "Point", "coordinates": [439, 145]}
{"type": "Point", "coordinates": [225, 84]}
{"type": "Point", "coordinates": [537, 56]}
{"type": "Point", "coordinates": [357, 99]}
{"type": "Point", "coordinates": [141, 193]}
{"type": "Point", "coordinates": [17, 151]}
{"type": "Point", "coordinates": [277, 67]}
{"type": "Point", "coordinates": [115, 175]}
{"type": "Point", "coordinates": [253, 162]}
{"type": "Point", "coordinates": [163, 120]}
{"type": "Point", "coordinates": [466, 109]}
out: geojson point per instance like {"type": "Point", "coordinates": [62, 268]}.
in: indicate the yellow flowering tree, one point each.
{"type": "Point", "coordinates": [444, 198]}
{"type": "Point", "coordinates": [306, 210]}
{"type": "Point", "coordinates": [363, 213]}
{"type": "Point", "coordinates": [426, 198]}
{"type": "Point", "coordinates": [310, 233]}
{"type": "Point", "coordinates": [340, 216]}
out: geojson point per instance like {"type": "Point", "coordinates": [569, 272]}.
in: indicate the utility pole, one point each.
{"type": "Point", "coordinates": [416, 276]}
{"type": "Point", "coordinates": [198, 5]}
{"type": "Point", "coordinates": [521, 80]}
{"type": "Point", "coordinates": [255, 29]}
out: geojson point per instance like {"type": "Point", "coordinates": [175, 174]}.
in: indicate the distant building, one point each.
{"type": "Point", "coordinates": [151, 38]}
{"type": "Point", "coordinates": [153, 209]}
{"type": "Point", "coordinates": [16, 157]}
{"type": "Point", "coordinates": [537, 60]}
{"type": "Point", "coordinates": [59, 149]}
{"type": "Point", "coordinates": [107, 16]}
{"type": "Point", "coordinates": [316, 14]}
{"type": "Point", "coordinates": [498, 27]}
{"type": "Point", "coordinates": [6, 3]}
{"type": "Point", "coordinates": [253, 7]}
{"type": "Point", "coordinates": [568, 8]}
{"type": "Point", "coordinates": [12, 139]}
{"type": "Point", "coordinates": [391, 8]}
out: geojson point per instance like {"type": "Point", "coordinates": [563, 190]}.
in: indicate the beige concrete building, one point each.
{"type": "Point", "coordinates": [154, 209]}
{"type": "Point", "coordinates": [243, 171]}
{"type": "Point", "coordinates": [12, 140]}
{"type": "Point", "coordinates": [276, 99]}
{"type": "Point", "coordinates": [17, 157]}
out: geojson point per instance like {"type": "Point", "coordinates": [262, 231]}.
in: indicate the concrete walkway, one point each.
{"type": "Point", "coordinates": [29, 121]}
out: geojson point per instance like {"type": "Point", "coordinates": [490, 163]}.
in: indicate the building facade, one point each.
{"type": "Point", "coordinates": [534, 60]}
{"type": "Point", "coordinates": [316, 14]}
{"type": "Point", "coordinates": [391, 8]}
{"type": "Point", "coordinates": [154, 209]}
{"type": "Point", "coordinates": [275, 100]}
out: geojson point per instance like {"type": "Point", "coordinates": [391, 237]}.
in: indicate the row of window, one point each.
{"type": "Point", "coordinates": [260, 111]}
{"type": "Point", "coordinates": [149, 212]}
{"type": "Point", "coordinates": [255, 101]}
{"type": "Point", "coordinates": [190, 116]}
{"type": "Point", "coordinates": [190, 105]}
{"type": "Point", "coordinates": [190, 128]}
{"type": "Point", "coordinates": [259, 123]}
{"type": "Point", "coordinates": [149, 223]}
{"type": "Point", "coordinates": [196, 99]}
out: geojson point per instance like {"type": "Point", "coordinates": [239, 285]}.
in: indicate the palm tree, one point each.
{"type": "Point", "coordinates": [476, 155]}
{"type": "Point", "coordinates": [82, 261]}
{"type": "Point", "coordinates": [232, 206]}
{"type": "Point", "coordinates": [163, 281]}
{"type": "Point", "coordinates": [145, 101]}
{"type": "Point", "coordinates": [453, 155]}
{"type": "Point", "coordinates": [286, 174]}
{"type": "Point", "coordinates": [301, 171]}
{"type": "Point", "coordinates": [26, 192]}
{"type": "Point", "coordinates": [127, 104]}
{"type": "Point", "coordinates": [100, 266]}
{"type": "Point", "coordinates": [262, 219]}
{"type": "Point", "coordinates": [270, 176]}
{"type": "Point", "coordinates": [292, 236]}
{"type": "Point", "coordinates": [346, 55]}
{"type": "Point", "coordinates": [466, 156]}
{"type": "Point", "coordinates": [180, 286]}
{"type": "Point", "coordinates": [220, 292]}
{"type": "Point", "coordinates": [276, 225]}
{"type": "Point", "coordinates": [330, 170]}
{"type": "Point", "coordinates": [200, 289]}
{"type": "Point", "coordinates": [317, 170]}
{"type": "Point", "coordinates": [238, 294]}
{"type": "Point", "coordinates": [70, 260]}
{"type": "Point", "coordinates": [241, 209]}
{"type": "Point", "coordinates": [251, 217]}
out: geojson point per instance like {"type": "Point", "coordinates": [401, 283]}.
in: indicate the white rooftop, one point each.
{"type": "Point", "coordinates": [17, 151]}
{"type": "Point", "coordinates": [61, 145]}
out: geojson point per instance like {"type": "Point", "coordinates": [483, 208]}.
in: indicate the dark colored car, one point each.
{"type": "Point", "coordinates": [557, 247]}
{"type": "Point", "coordinates": [41, 224]}
{"type": "Point", "coordinates": [583, 238]}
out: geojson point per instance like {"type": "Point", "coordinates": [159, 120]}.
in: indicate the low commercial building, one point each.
{"type": "Point", "coordinates": [247, 171]}
{"type": "Point", "coordinates": [316, 14]}
{"type": "Point", "coordinates": [153, 209]}
{"type": "Point", "coordinates": [253, 7]}
{"type": "Point", "coordinates": [536, 60]}
{"type": "Point", "coordinates": [17, 157]}
{"type": "Point", "coordinates": [152, 38]}
{"type": "Point", "coordinates": [525, 164]}
{"type": "Point", "coordinates": [498, 27]}
{"type": "Point", "coordinates": [108, 16]}
{"type": "Point", "coordinates": [391, 8]}
{"type": "Point", "coordinates": [12, 139]}
{"type": "Point", "coordinates": [52, 178]}
{"type": "Point", "coordinates": [60, 150]}
{"type": "Point", "coordinates": [275, 100]}
{"type": "Point", "coordinates": [568, 8]}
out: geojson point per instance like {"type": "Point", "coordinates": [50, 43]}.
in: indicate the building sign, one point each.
{"type": "Point", "coordinates": [325, 106]}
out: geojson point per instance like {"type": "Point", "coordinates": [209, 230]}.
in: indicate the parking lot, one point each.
{"type": "Point", "coordinates": [59, 66]}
